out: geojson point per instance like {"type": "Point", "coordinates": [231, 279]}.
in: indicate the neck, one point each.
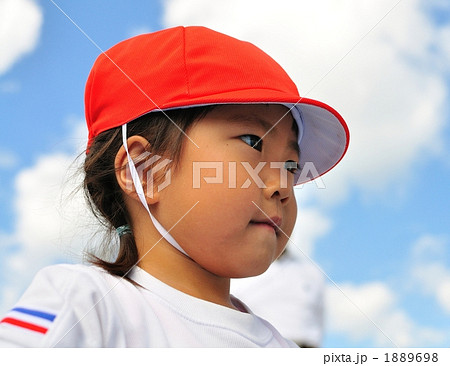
{"type": "Point", "coordinates": [182, 273]}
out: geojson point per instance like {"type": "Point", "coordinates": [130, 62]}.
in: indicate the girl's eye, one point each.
{"type": "Point", "coordinates": [292, 166]}
{"type": "Point", "coordinates": [253, 141]}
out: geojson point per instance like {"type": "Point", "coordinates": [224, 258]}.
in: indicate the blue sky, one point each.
{"type": "Point", "coordinates": [380, 229]}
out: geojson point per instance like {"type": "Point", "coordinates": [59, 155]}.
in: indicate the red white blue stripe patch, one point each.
{"type": "Point", "coordinates": [31, 319]}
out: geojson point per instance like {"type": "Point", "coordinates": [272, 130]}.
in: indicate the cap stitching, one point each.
{"type": "Point", "coordinates": [185, 63]}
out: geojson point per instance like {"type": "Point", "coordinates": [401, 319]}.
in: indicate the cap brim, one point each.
{"type": "Point", "coordinates": [324, 142]}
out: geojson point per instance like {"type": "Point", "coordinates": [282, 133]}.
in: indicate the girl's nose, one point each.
{"type": "Point", "coordinates": [278, 188]}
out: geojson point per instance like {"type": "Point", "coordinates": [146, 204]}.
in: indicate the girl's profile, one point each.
{"type": "Point", "coordinates": [196, 142]}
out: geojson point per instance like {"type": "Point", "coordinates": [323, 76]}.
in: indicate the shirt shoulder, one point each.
{"type": "Point", "coordinates": [61, 307]}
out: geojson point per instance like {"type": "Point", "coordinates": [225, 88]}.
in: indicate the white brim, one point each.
{"type": "Point", "coordinates": [324, 141]}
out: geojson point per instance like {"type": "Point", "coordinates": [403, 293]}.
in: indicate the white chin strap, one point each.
{"type": "Point", "coordinates": [140, 192]}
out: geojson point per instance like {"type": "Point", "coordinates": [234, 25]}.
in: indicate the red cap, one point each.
{"type": "Point", "coordinates": [192, 66]}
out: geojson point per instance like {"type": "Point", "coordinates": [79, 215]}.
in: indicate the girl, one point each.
{"type": "Point", "coordinates": [196, 141]}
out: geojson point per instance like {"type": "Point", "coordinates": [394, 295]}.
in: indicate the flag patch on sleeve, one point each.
{"type": "Point", "coordinates": [31, 319]}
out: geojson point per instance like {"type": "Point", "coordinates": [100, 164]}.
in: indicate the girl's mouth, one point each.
{"type": "Point", "coordinates": [273, 224]}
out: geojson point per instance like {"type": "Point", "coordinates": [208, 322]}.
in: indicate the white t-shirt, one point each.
{"type": "Point", "coordinates": [83, 306]}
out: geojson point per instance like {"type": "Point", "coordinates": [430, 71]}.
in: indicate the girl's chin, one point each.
{"type": "Point", "coordinates": [247, 270]}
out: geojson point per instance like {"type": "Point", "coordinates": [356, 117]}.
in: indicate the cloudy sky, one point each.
{"type": "Point", "coordinates": [377, 225]}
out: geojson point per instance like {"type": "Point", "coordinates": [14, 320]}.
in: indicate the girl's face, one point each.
{"type": "Point", "coordinates": [229, 174]}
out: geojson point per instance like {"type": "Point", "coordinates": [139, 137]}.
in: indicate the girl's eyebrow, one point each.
{"type": "Point", "coordinates": [252, 118]}
{"type": "Point", "coordinates": [255, 119]}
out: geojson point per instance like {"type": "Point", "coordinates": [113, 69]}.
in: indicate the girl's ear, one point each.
{"type": "Point", "coordinates": [138, 148]}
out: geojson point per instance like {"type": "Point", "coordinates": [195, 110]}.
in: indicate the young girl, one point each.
{"type": "Point", "coordinates": [196, 141]}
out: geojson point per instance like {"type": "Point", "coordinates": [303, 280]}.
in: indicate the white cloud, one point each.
{"type": "Point", "coordinates": [363, 312]}
{"type": "Point", "coordinates": [48, 206]}
{"type": "Point", "coordinates": [430, 272]}
{"type": "Point", "coordinates": [52, 224]}
{"type": "Point", "coordinates": [20, 27]}
{"type": "Point", "coordinates": [311, 225]}
{"type": "Point", "coordinates": [443, 293]}
{"type": "Point", "coordinates": [428, 246]}
{"type": "Point", "coordinates": [44, 214]}
{"type": "Point", "coordinates": [388, 88]}
{"type": "Point", "coordinates": [371, 312]}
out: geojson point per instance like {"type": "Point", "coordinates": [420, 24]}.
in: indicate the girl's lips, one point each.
{"type": "Point", "coordinates": [265, 225]}
{"type": "Point", "coordinates": [272, 224]}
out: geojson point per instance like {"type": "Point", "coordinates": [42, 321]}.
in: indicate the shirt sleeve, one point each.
{"type": "Point", "coordinates": [61, 308]}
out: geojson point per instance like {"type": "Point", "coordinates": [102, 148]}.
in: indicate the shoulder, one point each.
{"type": "Point", "coordinates": [64, 305]}
{"type": "Point", "coordinates": [67, 276]}
{"type": "Point", "coordinates": [68, 282]}
{"type": "Point", "coordinates": [61, 274]}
